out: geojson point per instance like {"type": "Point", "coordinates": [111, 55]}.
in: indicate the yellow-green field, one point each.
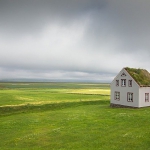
{"type": "Point", "coordinates": [44, 93]}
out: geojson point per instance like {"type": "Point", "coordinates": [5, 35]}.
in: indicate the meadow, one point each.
{"type": "Point", "coordinates": [62, 116]}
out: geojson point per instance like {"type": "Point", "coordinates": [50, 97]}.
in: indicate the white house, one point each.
{"type": "Point", "coordinates": [131, 88]}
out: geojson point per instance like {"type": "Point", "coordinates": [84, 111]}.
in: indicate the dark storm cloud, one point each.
{"type": "Point", "coordinates": [73, 39]}
{"type": "Point", "coordinates": [25, 16]}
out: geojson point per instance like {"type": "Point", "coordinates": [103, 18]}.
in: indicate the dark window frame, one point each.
{"type": "Point", "coordinates": [124, 82]}
{"type": "Point", "coordinates": [117, 98]}
{"type": "Point", "coordinates": [129, 99]}
{"type": "Point", "coordinates": [117, 82]}
{"type": "Point", "coordinates": [123, 74]}
{"type": "Point", "coordinates": [130, 83]}
{"type": "Point", "coordinates": [146, 97]}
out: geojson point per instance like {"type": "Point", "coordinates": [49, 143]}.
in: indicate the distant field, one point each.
{"type": "Point", "coordinates": [68, 116]}
{"type": "Point", "coordinates": [43, 93]}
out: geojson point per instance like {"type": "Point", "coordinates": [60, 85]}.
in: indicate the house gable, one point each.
{"type": "Point", "coordinates": [124, 75]}
{"type": "Point", "coordinates": [126, 92]}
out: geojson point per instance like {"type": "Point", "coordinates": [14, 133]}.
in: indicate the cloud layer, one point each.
{"type": "Point", "coordinates": [76, 40]}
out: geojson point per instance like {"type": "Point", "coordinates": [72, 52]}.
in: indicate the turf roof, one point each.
{"type": "Point", "coordinates": [141, 76]}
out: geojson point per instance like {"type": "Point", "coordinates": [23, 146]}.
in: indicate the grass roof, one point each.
{"type": "Point", "coordinates": [141, 76]}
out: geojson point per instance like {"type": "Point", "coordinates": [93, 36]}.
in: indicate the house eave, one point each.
{"type": "Point", "coordinates": [144, 85]}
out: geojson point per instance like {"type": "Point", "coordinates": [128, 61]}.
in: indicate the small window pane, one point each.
{"type": "Point", "coordinates": [146, 97]}
{"type": "Point", "coordinates": [130, 97]}
{"type": "Point", "coordinates": [117, 82]}
{"type": "Point", "coordinates": [123, 82]}
{"type": "Point", "coordinates": [130, 83]}
{"type": "Point", "coordinates": [117, 96]}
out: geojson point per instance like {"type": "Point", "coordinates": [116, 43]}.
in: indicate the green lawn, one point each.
{"type": "Point", "coordinates": [71, 119]}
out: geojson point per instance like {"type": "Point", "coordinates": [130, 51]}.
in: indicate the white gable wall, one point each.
{"type": "Point", "coordinates": [124, 90]}
{"type": "Point", "coordinates": [142, 91]}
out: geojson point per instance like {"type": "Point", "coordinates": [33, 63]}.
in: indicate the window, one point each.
{"type": "Point", "coordinates": [130, 97]}
{"type": "Point", "coordinates": [117, 82]}
{"type": "Point", "coordinates": [130, 83]}
{"type": "Point", "coordinates": [146, 97]}
{"type": "Point", "coordinates": [117, 96]}
{"type": "Point", "coordinates": [123, 74]}
{"type": "Point", "coordinates": [123, 82]}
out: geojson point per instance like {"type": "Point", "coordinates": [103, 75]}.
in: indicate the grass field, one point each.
{"type": "Point", "coordinates": [68, 116]}
{"type": "Point", "coordinates": [44, 93]}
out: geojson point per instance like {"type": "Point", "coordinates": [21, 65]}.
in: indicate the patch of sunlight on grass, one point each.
{"type": "Point", "coordinates": [89, 91]}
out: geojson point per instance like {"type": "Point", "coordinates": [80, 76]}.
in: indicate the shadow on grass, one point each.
{"type": "Point", "coordinates": [8, 110]}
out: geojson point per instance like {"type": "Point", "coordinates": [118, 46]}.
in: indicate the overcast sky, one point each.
{"type": "Point", "coordinates": [88, 40]}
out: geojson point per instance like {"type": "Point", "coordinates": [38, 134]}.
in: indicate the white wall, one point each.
{"type": "Point", "coordinates": [142, 92]}
{"type": "Point", "coordinates": [124, 90]}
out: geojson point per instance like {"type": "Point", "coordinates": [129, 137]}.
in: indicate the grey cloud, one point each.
{"type": "Point", "coordinates": [26, 16]}
{"type": "Point", "coordinates": [131, 23]}
{"type": "Point", "coordinates": [125, 24]}
{"type": "Point", "coordinates": [78, 39]}
{"type": "Point", "coordinates": [26, 75]}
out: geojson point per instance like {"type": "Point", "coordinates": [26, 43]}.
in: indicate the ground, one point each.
{"type": "Point", "coordinates": [70, 116]}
